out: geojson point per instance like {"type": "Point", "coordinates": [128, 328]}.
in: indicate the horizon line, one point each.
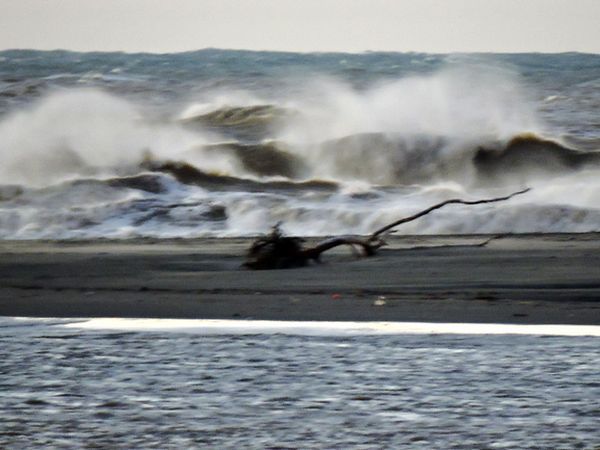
{"type": "Point", "coordinates": [322, 52]}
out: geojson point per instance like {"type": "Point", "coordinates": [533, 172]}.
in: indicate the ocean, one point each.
{"type": "Point", "coordinates": [228, 143]}
{"type": "Point", "coordinates": [168, 384]}
{"type": "Point", "coordinates": [222, 143]}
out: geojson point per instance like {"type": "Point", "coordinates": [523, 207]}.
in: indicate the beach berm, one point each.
{"type": "Point", "coordinates": [543, 278]}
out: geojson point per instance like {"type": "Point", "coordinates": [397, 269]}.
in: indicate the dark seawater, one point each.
{"type": "Point", "coordinates": [69, 388]}
{"type": "Point", "coordinates": [228, 143]}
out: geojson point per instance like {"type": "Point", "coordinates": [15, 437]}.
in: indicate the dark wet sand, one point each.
{"type": "Point", "coordinates": [539, 279]}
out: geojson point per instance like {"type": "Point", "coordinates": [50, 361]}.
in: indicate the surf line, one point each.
{"type": "Point", "coordinates": [326, 328]}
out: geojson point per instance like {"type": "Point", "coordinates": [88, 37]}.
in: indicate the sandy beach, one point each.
{"type": "Point", "coordinates": [538, 279]}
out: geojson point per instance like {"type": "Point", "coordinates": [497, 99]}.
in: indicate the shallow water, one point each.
{"type": "Point", "coordinates": [75, 387]}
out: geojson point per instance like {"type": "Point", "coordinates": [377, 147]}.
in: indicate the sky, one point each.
{"type": "Point", "coordinates": [436, 26]}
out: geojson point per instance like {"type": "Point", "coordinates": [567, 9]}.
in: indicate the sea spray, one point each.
{"type": "Point", "coordinates": [203, 144]}
{"type": "Point", "coordinates": [68, 134]}
{"type": "Point", "coordinates": [390, 132]}
{"type": "Point", "coordinates": [457, 101]}
{"type": "Point", "coordinates": [88, 132]}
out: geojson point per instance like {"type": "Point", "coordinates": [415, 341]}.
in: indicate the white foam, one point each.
{"type": "Point", "coordinates": [83, 132]}
{"type": "Point", "coordinates": [300, 328]}
{"type": "Point", "coordinates": [426, 130]}
{"type": "Point", "coordinates": [463, 103]}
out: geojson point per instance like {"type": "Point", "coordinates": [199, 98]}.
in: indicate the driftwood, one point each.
{"type": "Point", "coordinates": [276, 251]}
{"type": "Point", "coordinates": [439, 205]}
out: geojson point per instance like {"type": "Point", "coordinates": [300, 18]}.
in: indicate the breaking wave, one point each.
{"type": "Point", "coordinates": [326, 159]}
{"type": "Point", "coordinates": [85, 133]}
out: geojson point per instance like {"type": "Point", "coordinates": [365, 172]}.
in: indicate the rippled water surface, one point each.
{"type": "Point", "coordinates": [72, 388]}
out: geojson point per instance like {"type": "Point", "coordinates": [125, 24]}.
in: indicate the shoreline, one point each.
{"type": "Point", "coordinates": [519, 279]}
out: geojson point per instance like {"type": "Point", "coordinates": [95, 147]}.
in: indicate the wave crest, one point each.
{"type": "Point", "coordinates": [529, 156]}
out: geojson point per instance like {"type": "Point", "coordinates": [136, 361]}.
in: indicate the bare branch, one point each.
{"type": "Point", "coordinates": [388, 227]}
{"type": "Point", "coordinates": [276, 251]}
{"type": "Point", "coordinates": [369, 247]}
